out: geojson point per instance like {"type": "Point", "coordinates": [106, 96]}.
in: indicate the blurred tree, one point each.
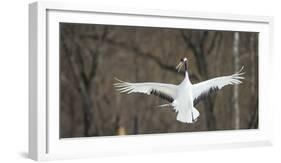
{"type": "Point", "coordinates": [236, 90]}
{"type": "Point", "coordinates": [73, 46]}
{"type": "Point", "coordinates": [92, 55]}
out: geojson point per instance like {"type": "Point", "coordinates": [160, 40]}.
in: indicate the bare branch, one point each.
{"type": "Point", "coordinates": [198, 53]}
{"type": "Point", "coordinates": [203, 40]}
{"type": "Point", "coordinates": [96, 52]}
{"type": "Point", "coordinates": [213, 43]}
{"type": "Point", "coordinates": [139, 52]}
{"type": "Point", "coordinates": [188, 41]}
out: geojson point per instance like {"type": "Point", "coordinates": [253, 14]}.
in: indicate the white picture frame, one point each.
{"type": "Point", "coordinates": [44, 141]}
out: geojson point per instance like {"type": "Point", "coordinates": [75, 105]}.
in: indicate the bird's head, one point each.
{"type": "Point", "coordinates": [184, 62]}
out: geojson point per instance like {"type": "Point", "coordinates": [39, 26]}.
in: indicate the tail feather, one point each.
{"type": "Point", "coordinates": [188, 115]}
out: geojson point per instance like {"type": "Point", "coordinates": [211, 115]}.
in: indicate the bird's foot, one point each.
{"type": "Point", "coordinates": [194, 120]}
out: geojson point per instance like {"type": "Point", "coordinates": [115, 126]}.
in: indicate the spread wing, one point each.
{"type": "Point", "coordinates": [203, 89]}
{"type": "Point", "coordinates": [164, 91]}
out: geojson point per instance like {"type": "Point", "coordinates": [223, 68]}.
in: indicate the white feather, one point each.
{"type": "Point", "coordinates": [219, 82]}
{"type": "Point", "coordinates": [183, 95]}
{"type": "Point", "coordinates": [146, 88]}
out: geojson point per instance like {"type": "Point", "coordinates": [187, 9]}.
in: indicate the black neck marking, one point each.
{"type": "Point", "coordinates": [185, 66]}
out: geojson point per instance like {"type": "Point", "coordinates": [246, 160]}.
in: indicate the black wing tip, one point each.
{"type": "Point", "coordinates": [162, 95]}
{"type": "Point", "coordinates": [205, 95]}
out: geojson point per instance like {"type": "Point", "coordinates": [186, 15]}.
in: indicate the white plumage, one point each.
{"type": "Point", "coordinates": [182, 97]}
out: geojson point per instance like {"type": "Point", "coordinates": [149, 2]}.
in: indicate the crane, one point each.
{"type": "Point", "coordinates": [183, 97]}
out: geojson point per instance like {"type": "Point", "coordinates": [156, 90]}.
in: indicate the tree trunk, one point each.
{"type": "Point", "coordinates": [253, 123]}
{"type": "Point", "coordinates": [209, 109]}
{"type": "Point", "coordinates": [236, 60]}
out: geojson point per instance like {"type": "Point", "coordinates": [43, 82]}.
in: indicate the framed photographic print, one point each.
{"type": "Point", "coordinates": [109, 81]}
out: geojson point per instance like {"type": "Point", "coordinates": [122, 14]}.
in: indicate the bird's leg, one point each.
{"type": "Point", "coordinates": [164, 105]}
{"type": "Point", "coordinates": [192, 116]}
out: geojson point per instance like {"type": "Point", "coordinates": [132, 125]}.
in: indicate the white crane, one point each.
{"type": "Point", "coordinates": [182, 97]}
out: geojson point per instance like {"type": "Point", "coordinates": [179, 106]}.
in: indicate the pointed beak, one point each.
{"type": "Point", "coordinates": [179, 66]}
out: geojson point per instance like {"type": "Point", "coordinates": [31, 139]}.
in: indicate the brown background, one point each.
{"type": "Point", "coordinates": [92, 55]}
